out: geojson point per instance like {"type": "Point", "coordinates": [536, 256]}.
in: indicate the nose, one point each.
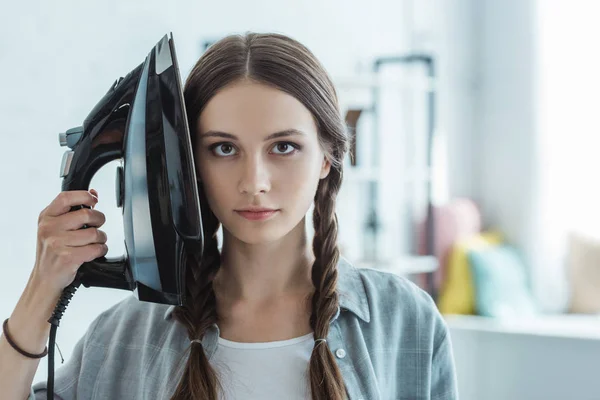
{"type": "Point", "coordinates": [254, 177]}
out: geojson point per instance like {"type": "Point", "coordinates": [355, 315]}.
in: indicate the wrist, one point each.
{"type": "Point", "coordinates": [37, 301]}
{"type": "Point", "coordinates": [11, 341]}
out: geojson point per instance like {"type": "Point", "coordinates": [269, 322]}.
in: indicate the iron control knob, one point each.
{"type": "Point", "coordinates": [119, 186]}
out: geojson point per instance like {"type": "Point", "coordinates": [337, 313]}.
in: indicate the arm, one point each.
{"type": "Point", "coordinates": [443, 372]}
{"type": "Point", "coordinates": [28, 326]}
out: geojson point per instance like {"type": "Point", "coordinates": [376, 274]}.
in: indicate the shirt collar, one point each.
{"type": "Point", "coordinates": [351, 292]}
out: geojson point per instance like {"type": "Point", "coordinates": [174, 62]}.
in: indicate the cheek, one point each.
{"type": "Point", "coordinates": [299, 182]}
{"type": "Point", "coordinates": [214, 186]}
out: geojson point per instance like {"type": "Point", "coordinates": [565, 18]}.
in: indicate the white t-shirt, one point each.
{"type": "Point", "coordinates": [264, 371]}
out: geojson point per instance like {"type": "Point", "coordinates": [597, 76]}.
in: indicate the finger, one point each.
{"type": "Point", "coordinates": [75, 220]}
{"type": "Point", "coordinates": [88, 253]}
{"type": "Point", "coordinates": [83, 237]}
{"type": "Point", "coordinates": [67, 199]}
{"type": "Point", "coordinates": [95, 193]}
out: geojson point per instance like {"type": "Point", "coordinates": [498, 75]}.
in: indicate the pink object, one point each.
{"type": "Point", "coordinates": [452, 221]}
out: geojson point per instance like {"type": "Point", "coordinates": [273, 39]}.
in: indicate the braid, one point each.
{"type": "Point", "coordinates": [325, 377]}
{"type": "Point", "coordinates": [199, 313]}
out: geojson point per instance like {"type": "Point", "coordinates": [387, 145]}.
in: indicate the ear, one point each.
{"type": "Point", "coordinates": [325, 168]}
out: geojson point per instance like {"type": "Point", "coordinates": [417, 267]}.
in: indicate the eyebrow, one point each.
{"type": "Point", "coordinates": [287, 132]}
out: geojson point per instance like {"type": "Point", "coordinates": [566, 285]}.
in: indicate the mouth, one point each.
{"type": "Point", "coordinates": [259, 214]}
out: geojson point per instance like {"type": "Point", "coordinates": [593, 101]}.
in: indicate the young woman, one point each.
{"type": "Point", "coordinates": [271, 315]}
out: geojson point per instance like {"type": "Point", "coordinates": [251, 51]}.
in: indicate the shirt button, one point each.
{"type": "Point", "coordinates": [340, 353]}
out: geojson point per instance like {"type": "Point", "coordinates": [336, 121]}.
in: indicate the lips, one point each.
{"type": "Point", "coordinates": [256, 209]}
{"type": "Point", "coordinates": [259, 215]}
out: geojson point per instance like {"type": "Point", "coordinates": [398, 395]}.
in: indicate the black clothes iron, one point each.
{"type": "Point", "coordinates": [142, 121]}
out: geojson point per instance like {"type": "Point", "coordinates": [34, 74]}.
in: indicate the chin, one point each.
{"type": "Point", "coordinates": [257, 239]}
{"type": "Point", "coordinates": [259, 232]}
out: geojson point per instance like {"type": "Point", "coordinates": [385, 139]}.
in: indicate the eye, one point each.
{"type": "Point", "coordinates": [226, 148]}
{"type": "Point", "coordinates": [283, 146]}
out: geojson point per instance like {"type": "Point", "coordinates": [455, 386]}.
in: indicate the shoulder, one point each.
{"type": "Point", "coordinates": [131, 319]}
{"type": "Point", "coordinates": [398, 339]}
{"type": "Point", "coordinates": [390, 304]}
{"type": "Point", "coordinates": [388, 292]}
{"type": "Point", "coordinates": [123, 340]}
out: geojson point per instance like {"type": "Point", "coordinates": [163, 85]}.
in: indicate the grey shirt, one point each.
{"type": "Point", "coordinates": [388, 338]}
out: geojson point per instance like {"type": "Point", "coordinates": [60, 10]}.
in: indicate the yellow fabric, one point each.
{"type": "Point", "coordinates": [457, 295]}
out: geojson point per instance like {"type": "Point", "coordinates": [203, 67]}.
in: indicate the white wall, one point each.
{"type": "Point", "coordinates": [505, 116]}
{"type": "Point", "coordinates": [568, 145]}
{"type": "Point", "coordinates": [456, 48]}
{"type": "Point", "coordinates": [59, 58]}
{"type": "Point", "coordinates": [535, 113]}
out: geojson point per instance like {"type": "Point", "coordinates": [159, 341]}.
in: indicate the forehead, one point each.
{"type": "Point", "coordinates": [246, 107]}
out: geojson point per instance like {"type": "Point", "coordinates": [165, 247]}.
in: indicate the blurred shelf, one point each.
{"type": "Point", "coordinates": [554, 325]}
{"type": "Point", "coordinates": [404, 265]}
{"type": "Point", "coordinates": [361, 174]}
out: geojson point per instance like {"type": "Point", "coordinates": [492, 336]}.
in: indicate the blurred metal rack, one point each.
{"type": "Point", "coordinates": [374, 83]}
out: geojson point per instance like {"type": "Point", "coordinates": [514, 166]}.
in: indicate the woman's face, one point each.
{"type": "Point", "coordinates": [242, 165]}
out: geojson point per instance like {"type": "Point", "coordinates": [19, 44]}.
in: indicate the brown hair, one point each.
{"type": "Point", "coordinates": [281, 62]}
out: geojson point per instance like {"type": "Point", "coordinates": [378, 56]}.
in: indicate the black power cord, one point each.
{"type": "Point", "coordinates": [54, 320]}
{"type": "Point", "coordinates": [60, 308]}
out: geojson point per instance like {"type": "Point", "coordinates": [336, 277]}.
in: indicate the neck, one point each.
{"type": "Point", "coordinates": [256, 273]}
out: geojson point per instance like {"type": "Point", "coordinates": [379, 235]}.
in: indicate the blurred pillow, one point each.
{"type": "Point", "coordinates": [501, 286]}
{"type": "Point", "coordinates": [583, 264]}
{"type": "Point", "coordinates": [458, 219]}
{"type": "Point", "coordinates": [457, 295]}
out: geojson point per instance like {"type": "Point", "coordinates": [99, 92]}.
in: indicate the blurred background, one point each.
{"type": "Point", "coordinates": [475, 170]}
